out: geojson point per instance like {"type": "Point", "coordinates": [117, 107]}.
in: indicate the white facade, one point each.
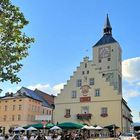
{"type": "Point", "coordinates": [93, 95]}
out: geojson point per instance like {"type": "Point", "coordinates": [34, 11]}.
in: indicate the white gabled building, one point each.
{"type": "Point", "coordinates": [93, 95]}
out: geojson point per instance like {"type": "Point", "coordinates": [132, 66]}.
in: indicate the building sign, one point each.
{"type": "Point", "coordinates": [85, 99]}
{"type": "Point", "coordinates": [43, 117]}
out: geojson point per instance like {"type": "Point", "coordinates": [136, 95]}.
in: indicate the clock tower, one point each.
{"type": "Point", "coordinates": [107, 57]}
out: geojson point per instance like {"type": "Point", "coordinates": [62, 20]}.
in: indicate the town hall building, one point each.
{"type": "Point", "coordinates": [93, 95]}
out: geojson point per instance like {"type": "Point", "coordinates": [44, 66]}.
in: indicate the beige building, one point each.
{"type": "Point", "coordinates": [93, 95]}
{"type": "Point", "coordinates": [21, 108]}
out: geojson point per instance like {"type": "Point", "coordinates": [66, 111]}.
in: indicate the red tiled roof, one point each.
{"type": "Point", "coordinates": [49, 98]}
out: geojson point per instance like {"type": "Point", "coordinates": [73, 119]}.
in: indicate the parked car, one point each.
{"type": "Point", "coordinates": [127, 136]}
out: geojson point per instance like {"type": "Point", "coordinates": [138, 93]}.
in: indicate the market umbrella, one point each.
{"type": "Point", "coordinates": [88, 127]}
{"type": "Point", "coordinates": [92, 128]}
{"type": "Point", "coordinates": [19, 129]}
{"type": "Point", "coordinates": [40, 125]}
{"type": "Point", "coordinates": [70, 125]}
{"type": "Point", "coordinates": [49, 125]}
{"type": "Point", "coordinates": [98, 128]}
{"type": "Point", "coordinates": [55, 128]}
{"type": "Point", "coordinates": [85, 127]}
{"type": "Point", "coordinates": [31, 128]}
{"type": "Point", "coordinates": [37, 126]}
{"type": "Point", "coordinates": [112, 126]}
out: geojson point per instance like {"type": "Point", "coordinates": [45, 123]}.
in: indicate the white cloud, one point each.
{"type": "Point", "coordinates": [138, 84]}
{"type": "Point", "coordinates": [128, 94]}
{"type": "Point", "coordinates": [131, 78]}
{"type": "Point", "coordinates": [40, 87]}
{"type": "Point", "coordinates": [136, 116]}
{"type": "Point", "coordinates": [58, 87]}
{"type": "Point", "coordinates": [47, 88]}
{"type": "Point", "coordinates": [14, 90]}
{"type": "Point", "coordinates": [131, 68]}
{"type": "Point", "coordinates": [55, 89]}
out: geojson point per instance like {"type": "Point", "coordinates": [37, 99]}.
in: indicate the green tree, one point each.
{"type": "Point", "coordinates": [14, 43]}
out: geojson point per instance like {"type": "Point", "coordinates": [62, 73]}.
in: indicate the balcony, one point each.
{"type": "Point", "coordinates": [67, 115]}
{"type": "Point", "coordinates": [104, 115]}
{"type": "Point", "coordinates": [85, 116]}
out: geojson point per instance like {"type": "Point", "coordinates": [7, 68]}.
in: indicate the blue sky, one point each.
{"type": "Point", "coordinates": [65, 29]}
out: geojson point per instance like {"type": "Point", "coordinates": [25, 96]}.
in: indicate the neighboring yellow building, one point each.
{"type": "Point", "coordinates": [93, 95]}
{"type": "Point", "coordinates": [21, 108]}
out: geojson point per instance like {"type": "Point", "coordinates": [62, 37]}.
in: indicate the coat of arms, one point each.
{"type": "Point", "coordinates": [85, 90]}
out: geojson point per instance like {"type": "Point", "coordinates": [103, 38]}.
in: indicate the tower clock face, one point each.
{"type": "Point", "coordinates": [104, 52]}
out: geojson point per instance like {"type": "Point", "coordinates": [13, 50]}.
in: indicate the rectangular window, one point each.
{"type": "Point", "coordinates": [79, 83]}
{"type": "Point", "coordinates": [20, 107]}
{"type": "Point", "coordinates": [19, 117]}
{"type": "Point", "coordinates": [97, 92]}
{"type": "Point", "coordinates": [50, 112]}
{"type": "Point", "coordinates": [74, 94]}
{"type": "Point", "coordinates": [67, 112]}
{"type": "Point", "coordinates": [4, 117]}
{"type": "Point", "coordinates": [5, 107]}
{"type": "Point", "coordinates": [32, 118]}
{"type": "Point", "coordinates": [91, 81]}
{"type": "Point", "coordinates": [29, 117]}
{"type": "Point", "coordinates": [120, 84]}
{"type": "Point", "coordinates": [14, 107]}
{"type": "Point", "coordinates": [109, 59]}
{"type": "Point", "coordinates": [13, 117]}
{"type": "Point", "coordinates": [32, 108]}
{"type": "Point", "coordinates": [85, 109]}
{"type": "Point", "coordinates": [104, 110]}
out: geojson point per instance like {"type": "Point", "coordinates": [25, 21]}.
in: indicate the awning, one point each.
{"type": "Point", "coordinates": [40, 125]}
{"type": "Point", "coordinates": [70, 125]}
{"type": "Point", "coordinates": [112, 126]}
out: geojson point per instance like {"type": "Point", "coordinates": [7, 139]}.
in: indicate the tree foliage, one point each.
{"type": "Point", "coordinates": [14, 43]}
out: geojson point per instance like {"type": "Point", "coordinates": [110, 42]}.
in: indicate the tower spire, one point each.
{"type": "Point", "coordinates": [107, 27]}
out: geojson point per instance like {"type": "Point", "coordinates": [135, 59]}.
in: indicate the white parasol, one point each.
{"type": "Point", "coordinates": [31, 128]}
{"type": "Point", "coordinates": [55, 128]}
{"type": "Point", "coordinates": [19, 129]}
{"type": "Point", "coordinates": [98, 128]}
